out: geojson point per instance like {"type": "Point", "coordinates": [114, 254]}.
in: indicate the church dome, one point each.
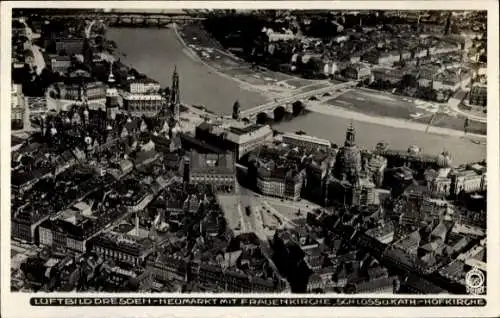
{"type": "Point", "coordinates": [444, 160]}
{"type": "Point", "coordinates": [382, 146]}
{"type": "Point", "coordinates": [413, 150]}
{"type": "Point", "coordinates": [348, 161]}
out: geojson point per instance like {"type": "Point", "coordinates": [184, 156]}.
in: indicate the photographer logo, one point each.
{"type": "Point", "coordinates": [474, 281]}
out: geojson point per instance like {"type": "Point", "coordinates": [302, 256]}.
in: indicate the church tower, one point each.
{"type": "Point", "coordinates": [111, 76]}
{"type": "Point", "coordinates": [348, 161]}
{"type": "Point", "coordinates": [350, 137]}
{"type": "Point", "coordinates": [111, 97]}
{"type": "Point", "coordinates": [175, 102]}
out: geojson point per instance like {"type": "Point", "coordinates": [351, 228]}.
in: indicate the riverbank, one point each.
{"type": "Point", "coordinates": [369, 133]}
{"type": "Point", "coordinates": [194, 55]}
{"type": "Point", "coordinates": [416, 112]}
{"type": "Point", "coordinates": [331, 110]}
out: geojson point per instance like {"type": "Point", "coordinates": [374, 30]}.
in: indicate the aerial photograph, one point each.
{"type": "Point", "coordinates": [248, 151]}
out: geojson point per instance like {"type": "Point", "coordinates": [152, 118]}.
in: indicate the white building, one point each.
{"type": "Point", "coordinates": [139, 104]}
{"type": "Point", "coordinates": [330, 68]}
{"type": "Point", "coordinates": [273, 36]}
{"type": "Point", "coordinates": [248, 138]}
{"type": "Point", "coordinates": [296, 140]}
{"type": "Point", "coordinates": [144, 86]}
{"type": "Point", "coordinates": [468, 181]}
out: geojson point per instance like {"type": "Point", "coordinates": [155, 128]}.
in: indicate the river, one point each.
{"type": "Point", "coordinates": [155, 52]}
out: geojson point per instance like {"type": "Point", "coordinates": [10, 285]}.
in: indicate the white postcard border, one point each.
{"type": "Point", "coordinates": [17, 304]}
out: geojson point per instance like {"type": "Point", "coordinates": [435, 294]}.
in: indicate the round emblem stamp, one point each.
{"type": "Point", "coordinates": [474, 281]}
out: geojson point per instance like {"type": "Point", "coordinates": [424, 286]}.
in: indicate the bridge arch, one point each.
{"type": "Point", "coordinates": [297, 107]}
{"type": "Point", "coordinates": [262, 118]}
{"type": "Point", "coordinates": [279, 113]}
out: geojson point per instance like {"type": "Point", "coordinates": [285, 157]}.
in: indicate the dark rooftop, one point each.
{"type": "Point", "coordinates": [245, 130]}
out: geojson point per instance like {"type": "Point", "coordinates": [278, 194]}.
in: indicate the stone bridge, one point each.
{"type": "Point", "coordinates": [128, 16]}
{"type": "Point", "coordinates": [287, 102]}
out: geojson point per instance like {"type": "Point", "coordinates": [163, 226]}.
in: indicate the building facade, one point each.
{"type": "Point", "coordinates": [92, 91]}
{"type": "Point", "coordinates": [143, 86]}
{"type": "Point", "coordinates": [238, 140]}
{"type": "Point", "coordinates": [139, 104]}
{"type": "Point", "coordinates": [248, 138]}
{"type": "Point", "coordinates": [363, 193]}
{"type": "Point", "coordinates": [18, 109]}
{"type": "Point", "coordinates": [122, 247]}
{"type": "Point", "coordinates": [390, 75]}
{"type": "Point", "coordinates": [305, 141]}
{"type": "Point", "coordinates": [233, 281]}
{"type": "Point", "coordinates": [24, 225]}
{"type": "Point", "coordinates": [70, 46]}
{"type": "Point", "coordinates": [358, 71]}
{"type": "Point", "coordinates": [215, 169]}
{"type": "Point", "coordinates": [375, 168]}
{"type": "Point", "coordinates": [478, 95]}
{"type": "Point", "coordinates": [280, 183]}
{"type": "Point", "coordinates": [467, 181]}
{"type": "Point", "coordinates": [60, 64]}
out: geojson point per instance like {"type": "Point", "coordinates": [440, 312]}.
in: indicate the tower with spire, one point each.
{"type": "Point", "coordinates": [350, 136]}
{"type": "Point", "coordinates": [174, 101]}
{"type": "Point", "coordinates": [111, 76]}
{"type": "Point", "coordinates": [111, 97]}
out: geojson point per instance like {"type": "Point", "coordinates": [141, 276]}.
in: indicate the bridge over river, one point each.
{"type": "Point", "coordinates": [117, 17]}
{"type": "Point", "coordinates": [285, 102]}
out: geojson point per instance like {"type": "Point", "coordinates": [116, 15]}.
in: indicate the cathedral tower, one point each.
{"type": "Point", "coordinates": [174, 101]}
{"type": "Point", "coordinates": [112, 105]}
